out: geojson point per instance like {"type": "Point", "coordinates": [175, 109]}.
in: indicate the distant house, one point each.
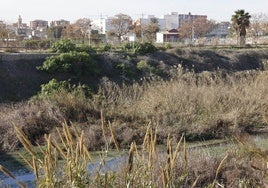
{"type": "Point", "coordinates": [168, 36]}
{"type": "Point", "coordinates": [38, 24]}
{"type": "Point", "coordinates": [59, 23]}
{"type": "Point", "coordinates": [220, 30]}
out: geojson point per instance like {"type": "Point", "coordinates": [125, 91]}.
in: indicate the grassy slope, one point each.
{"type": "Point", "coordinates": [20, 79]}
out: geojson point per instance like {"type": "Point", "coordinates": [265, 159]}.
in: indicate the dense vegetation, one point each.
{"type": "Point", "coordinates": [155, 110]}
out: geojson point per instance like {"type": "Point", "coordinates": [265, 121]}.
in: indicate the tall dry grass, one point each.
{"type": "Point", "coordinates": [64, 163]}
{"type": "Point", "coordinates": [202, 105]}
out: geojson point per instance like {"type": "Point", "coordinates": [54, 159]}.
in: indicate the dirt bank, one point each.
{"type": "Point", "coordinates": [19, 78]}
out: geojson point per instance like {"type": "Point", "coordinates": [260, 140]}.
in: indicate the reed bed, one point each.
{"type": "Point", "coordinates": [65, 163]}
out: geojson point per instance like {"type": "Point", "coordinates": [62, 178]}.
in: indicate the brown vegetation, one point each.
{"type": "Point", "coordinates": [201, 106]}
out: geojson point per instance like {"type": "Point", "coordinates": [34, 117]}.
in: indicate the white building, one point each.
{"type": "Point", "coordinates": [146, 21]}
{"type": "Point", "coordinates": [175, 20]}
{"type": "Point", "coordinates": [101, 25]}
{"type": "Point", "coordinates": [172, 20]}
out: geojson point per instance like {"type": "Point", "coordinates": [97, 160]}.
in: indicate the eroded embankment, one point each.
{"type": "Point", "coordinates": [19, 78]}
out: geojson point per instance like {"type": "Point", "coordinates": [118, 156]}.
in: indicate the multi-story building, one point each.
{"type": "Point", "coordinates": [175, 20]}
{"type": "Point", "coordinates": [146, 21]}
{"type": "Point", "coordinates": [104, 26]}
{"type": "Point", "coordinates": [59, 23]}
{"type": "Point", "coordinates": [220, 30]}
{"type": "Point", "coordinates": [38, 24]}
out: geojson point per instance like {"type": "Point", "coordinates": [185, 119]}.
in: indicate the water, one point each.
{"type": "Point", "coordinates": [29, 178]}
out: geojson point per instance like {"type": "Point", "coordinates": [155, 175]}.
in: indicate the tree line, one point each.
{"type": "Point", "coordinates": [83, 30]}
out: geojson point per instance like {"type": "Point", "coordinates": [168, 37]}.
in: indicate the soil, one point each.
{"type": "Point", "coordinates": [20, 80]}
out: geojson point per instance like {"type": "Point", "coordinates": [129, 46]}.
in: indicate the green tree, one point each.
{"type": "Point", "coordinates": [241, 21]}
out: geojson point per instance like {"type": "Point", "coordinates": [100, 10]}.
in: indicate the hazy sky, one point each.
{"type": "Point", "coordinates": [219, 10]}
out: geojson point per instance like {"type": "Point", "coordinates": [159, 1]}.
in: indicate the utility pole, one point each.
{"type": "Point", "coordinates": [141, 28]}
{"type": "Point", "coordinates": [89, 34]}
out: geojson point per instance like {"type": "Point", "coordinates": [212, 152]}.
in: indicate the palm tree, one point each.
{"type": "Point", "coordinates": [240, 21]}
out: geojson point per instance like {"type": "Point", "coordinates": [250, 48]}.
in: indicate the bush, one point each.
{"type": "Point", "coordinates": [77, 63]}
{"type": "Point", "coordinates": [107, 47]}
{"type": "Point", "coordinates": [11, 50]}
{"type": "Point", "coordinates": [84, 48]}
{"type": "Point", "coordinates": [31, 44]}
{"type": "Point", "coordinates": [144, 48]}
{"type": "Point", "coordinates": [168, 45]}
{"type": "Point", "coordinates": [44, 44]}
{"type": "Point", "coordinates": [54, 86]}
{"type": "Point", "coordinates": [63, 46]}
{"type": "Point", "coordinates": [125, 69]}
{"type": "Point", "coordinates": [144, 66]}
{"type": "Point", "coordinates": [128, 46]}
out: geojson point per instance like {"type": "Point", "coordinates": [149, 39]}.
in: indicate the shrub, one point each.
{"type": "Point", "coordinates": [107, 47]}
{"type": "Point", "coordinates": [44, 44]}
{"type": "Point", "coordinates": [144, 48]}
{"type": "Point", "coordinates": [128, 46]}
{"type": "Point", "coordinates": [31, 44]}
{"type": "Point", "coordinates": [168, 46]}
{"type": "Point", "coordinates": [11, 50]}
{"type": "Point", "coordinates": [84, 48]}
{"type": "Point", "coordinates": [77, 63]}
{"type": "Point", "coordinates": [54, 86]}
{"type": "Point", "coordinates": [125, 69]}
{"type": "Point", "coordinates": [144, 66]}
{"type": "Point", "coordinates": [63, 46]}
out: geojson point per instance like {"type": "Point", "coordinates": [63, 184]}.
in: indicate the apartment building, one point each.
{"type": "Point", "coordinates": [174, 20]}
{"type": "Point", "coordinates": [59, 23]}
{"type": "Point", "coordinates": [38, 24]}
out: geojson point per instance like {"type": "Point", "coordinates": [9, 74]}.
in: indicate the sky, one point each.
{"type": "Point", "coordinates": [218, 10]}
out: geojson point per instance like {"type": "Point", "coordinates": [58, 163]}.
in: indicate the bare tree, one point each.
{"type": "Point", "coordinates": [3, 31]}
{"type": "Point", "coordinates": [258, 26]}
{"type": "Point", "coordinates": [136, 28]}
{"type": "Point", "coordinates": [151, 29]}
{"type": "Point", "coordinates": [78, 31]}
{"type": "Point", "coordinates": [197, 27]}
{"type": "Point", "coordinates": [84, 25]}
{"type": "Point", "coordinates": [120, 25]}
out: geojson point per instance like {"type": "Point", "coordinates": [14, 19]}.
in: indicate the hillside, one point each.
{"type": "Point", "coordinates": [19, 78]}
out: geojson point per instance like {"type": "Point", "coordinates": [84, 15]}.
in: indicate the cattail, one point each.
{"type": "Point", "coordinates": [146, 139]}
{"type": "Point", "coordinates": [113, 137]}
{"type": "Point", "coordinates": [218, 170]}
{"type": "Point", "coordinates": [7, 172]}
{"type": "Point", "coordinates": [173, 162]}
{"type": "Point", "coordinates": [81, 142]}
{"type": "Point", "coordinates": [185, 154]}
{"type": "Point", "coordinates": [24, 140]}
{"type": "Point", "coordinates": [130, 158]}
{"type": "Point", "coordinates": [103, 127]}
{"type": "Point", "coordinates": [27, 161]}
{"type": "Point", "coordinates": [58, 148]}
{"type": "Point", "coordinates": [63, 141]}
{"type": "Point", "coordinates": [35, 168]}
{"type": "Point", "coordinates": [164, 178]}
{"type": "Point", "coordinates": [68, 135]}
{"type": "Point", "coordinates": [21, 184]}
{"type": "Point", "coordinates": [220, 166]}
